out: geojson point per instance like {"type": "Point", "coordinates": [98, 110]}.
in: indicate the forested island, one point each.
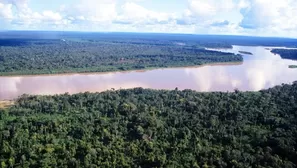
{"type": "Point", "coordinates": [152, 128]}
{"type": "Point", "coordinates": [292, 66]}
{"type": "Point", "coordinates": [286, 53]}
{"type": "Point", "coordinates": [245, 52]}
{"type": "Point", "coordinates": [52, 56]}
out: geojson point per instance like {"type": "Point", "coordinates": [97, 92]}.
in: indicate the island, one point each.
{"type": "Point", "coordinates": [286, 53]}
{"type": "Point", "coordinates": [152, 128]}
{"type": "Point", "coordinates": [292, 66]}
{"type": "Point", "coordinates": [245, 52]}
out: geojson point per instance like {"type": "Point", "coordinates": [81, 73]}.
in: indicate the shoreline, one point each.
{"type": "Point", "coordinates": [125, 71]}
{"type": "Point", "coordinates": [6, 104]}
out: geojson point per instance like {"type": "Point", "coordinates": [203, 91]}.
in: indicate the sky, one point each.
{"type": "Point", "coordinates": [275, 18]}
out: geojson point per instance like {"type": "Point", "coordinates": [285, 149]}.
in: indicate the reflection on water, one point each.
{"type": "Point", "coordinates": [260, 70]}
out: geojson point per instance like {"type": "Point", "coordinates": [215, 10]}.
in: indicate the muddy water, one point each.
{"type": "Point", "coordinates": [261, 70]}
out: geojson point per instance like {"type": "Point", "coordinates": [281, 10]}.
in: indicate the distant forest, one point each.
{"type": "Point", "coordinates": [25, 54]}
{"type": "Point", "coordinates": [286, 53]}
{"type": "Point", "coordinates": [33, 52]}
{"type": "Point", "coordinates": [64, 56]}
{"type": "Point", "coordinates": [152, 128]}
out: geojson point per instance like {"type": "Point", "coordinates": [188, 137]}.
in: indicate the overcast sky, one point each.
{"type": "Point", "coordinates": [236, 17]}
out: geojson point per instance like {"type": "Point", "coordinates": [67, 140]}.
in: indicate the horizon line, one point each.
{"type": "Point", "coordinates": [165, 33]}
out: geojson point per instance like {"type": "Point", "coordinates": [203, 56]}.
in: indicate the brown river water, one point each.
{"type": "Point", "coordinates": [261, 70]}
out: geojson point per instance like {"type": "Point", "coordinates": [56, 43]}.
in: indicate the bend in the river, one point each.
{"type": "Point", "coordinates": [261, 70]}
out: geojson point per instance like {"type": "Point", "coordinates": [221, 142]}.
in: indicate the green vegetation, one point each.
{"type": "Point", "coordinates": [20, 57]}
{"type": "Point", "coordinates": [245, 52]}
{"type": "Point", "coordinates": [286, 53]}
{"type": "Point", "coordinates": [149, 128]}
{"type": "Point", "coordinates": [292, 66]}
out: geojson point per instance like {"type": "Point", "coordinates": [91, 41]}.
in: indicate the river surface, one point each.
{"type": "Point", "coordinates": [261, 70]}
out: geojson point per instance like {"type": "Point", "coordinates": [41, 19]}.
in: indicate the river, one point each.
{"type": "Point", "coordinates": [261, 70]}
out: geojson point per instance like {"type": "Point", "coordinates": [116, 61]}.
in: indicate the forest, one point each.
{"type": "Point", "coordinates": [50, 56]}
{"type": "Point", "coordinates": [292, 66]}
{"type": "Point", "coordinates": [152, 128]}
{"type": "Point", "coordinates": [286, 53]}
{"type": "Point", "coordinates": [245, 52]}
{"type": "Point", "coordinates": [42, 52]}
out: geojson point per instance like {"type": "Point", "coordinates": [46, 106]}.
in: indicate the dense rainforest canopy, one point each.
{"type": "Point", "coordinates": [152, 128]}
{"type": "Point", "coordinates": [286, 53]}
{"type": "Point", "coordinates": [292, 66]}
{"type": "Point", "coordinates": [40, 56]}
{"type": "Point", "coordinates": [34, 52]}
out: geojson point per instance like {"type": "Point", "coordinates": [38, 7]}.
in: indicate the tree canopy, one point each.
{"type": "Point", "coordinates": [286, 53]}
{"type": "Point", "coordinates": [40, 56]}
{"type": "Point", "coordinates": [152, 128]}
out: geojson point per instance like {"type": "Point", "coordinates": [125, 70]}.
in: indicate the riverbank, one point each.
{"type": "Point", "coordinates": [84, 72]}
{"type": "Point", "coordinates": [6, 103]}
{"type": "Point", "coordinates": [205, 78]}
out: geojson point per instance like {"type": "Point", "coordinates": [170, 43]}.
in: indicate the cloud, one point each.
{"type": "Point", "coordinates": [6, 11]}
{"type": "Point", "coordinates": [50, 15]}
{"type": "Point", "coordinates": [21, 6]}
{"type": "Point", "coordinates": [18, 3]}
{"type": "Point", "coordinates": [201, 8]}
{"type": "Point", "coordinates": [208, 8]}
{"type": "Point", "coordinates": [135, 14]}
{"type": "Point", "coordinates": [220, 23]}
{"type": "Point", "coordinates": [209, 13]}
{"type": "Point", "coordinates": [19, 14]}
{"type": "Point", "coordinates": [245, 17]}
{"type": "Point", "coordinates": [265, 14]}
{"type": "Point", "coordinates": [91, 10]}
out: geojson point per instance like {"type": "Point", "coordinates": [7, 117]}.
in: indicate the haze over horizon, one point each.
{"type": "Point", "coordinates": [222, 17]}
